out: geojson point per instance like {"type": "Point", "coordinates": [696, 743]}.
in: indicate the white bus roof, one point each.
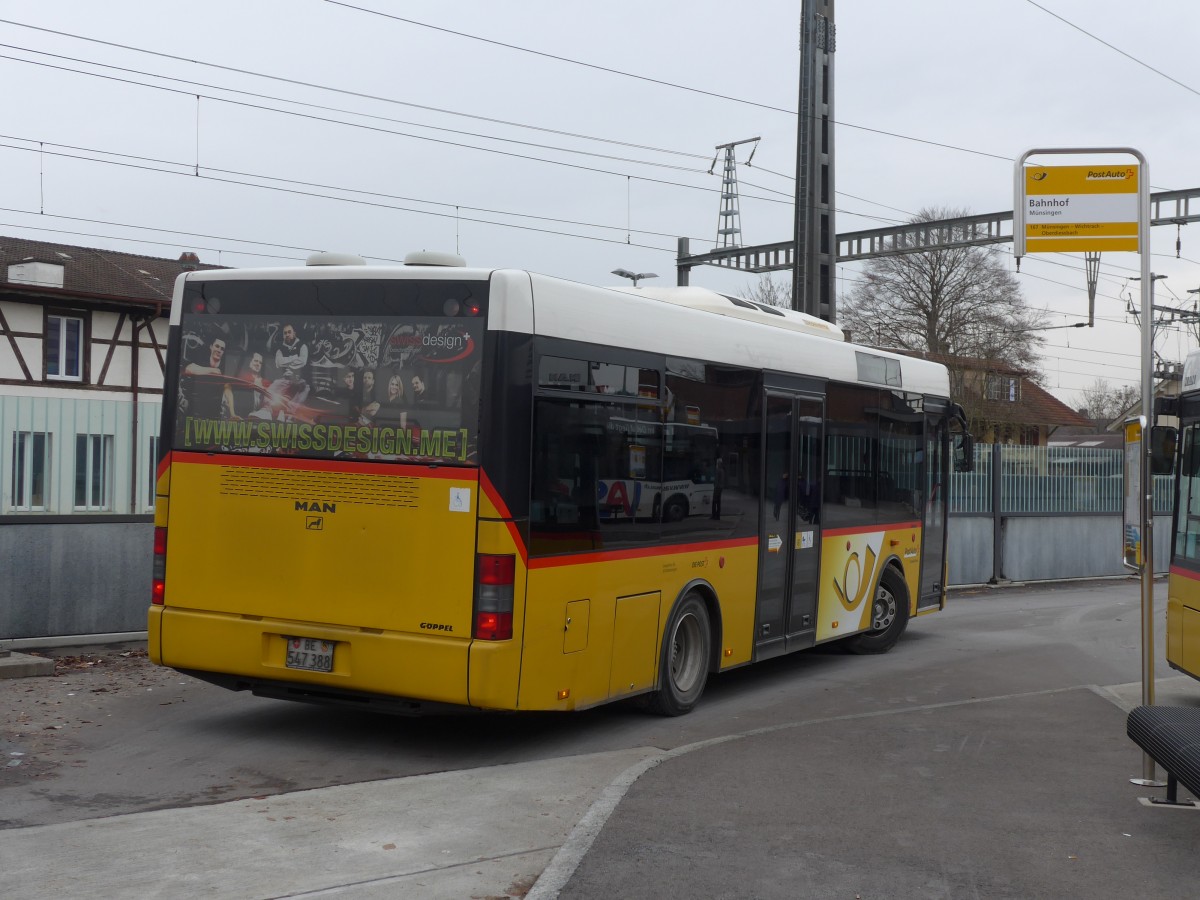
{"type": "Point", "coordinates": [739, 308]}
{"type": "Point", "coordinates": [671, 321]}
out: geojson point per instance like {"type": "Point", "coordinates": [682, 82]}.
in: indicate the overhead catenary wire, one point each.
{"type": "Point", "coordinates": [235, 181]}
{"type": "Point", "coordinates": [363, 95]}
{"type": "Point", "coordinates": [390, 100]}
{"type": "Point", "coordinates": [192, 84]}
{"type": "Point", "coordinates": [451, 112]}
{"type": "Point", "coordinates": [1129, 56]}
{"type": "Point", "coordinates": [666, 250]}
{"type": "Point", "coordinates": [446, 215]}
{"type": "Point", "coordinates": [179, 167]}
{"type": "Point", "coordinates": [326, 108]}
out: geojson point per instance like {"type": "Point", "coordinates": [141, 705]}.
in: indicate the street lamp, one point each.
{"type": "Point", "coordinates": [625, 273]}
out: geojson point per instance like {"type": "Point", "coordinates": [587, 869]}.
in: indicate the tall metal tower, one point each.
{"type": "Point", "coordinates": [816, 244]}
{"type": "Point", "coordinates": [729, 224]}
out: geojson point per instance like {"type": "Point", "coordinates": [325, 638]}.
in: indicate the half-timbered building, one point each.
{"type": "Point", "coordinates": [82, 349]}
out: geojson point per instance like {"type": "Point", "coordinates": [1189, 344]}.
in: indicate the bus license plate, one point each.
{"type": "Point", "coordinates": [310, 654]}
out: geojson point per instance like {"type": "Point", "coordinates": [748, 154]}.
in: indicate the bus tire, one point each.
{"type": "Point", "coordinates": [889, 616]}
{"type": "Point", "coordinates": [676, 510]}
{"type": "Point", "coordinates": [683, 668]}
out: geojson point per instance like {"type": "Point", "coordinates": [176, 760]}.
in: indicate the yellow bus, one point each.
{"type": "Point", "coordinates": [1183, 583]}
{"type": "Point", "coordinates": [429, 485]}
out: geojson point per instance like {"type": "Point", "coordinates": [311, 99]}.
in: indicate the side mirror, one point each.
{"type": "Point", "coordinates": [962, 446]}
{"type": "Point", "coordinates": [1163, 440]}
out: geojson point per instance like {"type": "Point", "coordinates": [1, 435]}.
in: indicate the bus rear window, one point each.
{"type": "Point", "coordinates": [379, 380]}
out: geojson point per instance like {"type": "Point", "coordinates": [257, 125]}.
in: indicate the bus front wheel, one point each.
{"type": "Point", "coordinates": [683, 668]}
{"type": "Point", "coordinates": [889, 616]}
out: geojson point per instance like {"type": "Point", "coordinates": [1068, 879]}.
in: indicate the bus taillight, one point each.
{"type": "Point", "coordinates": [159, 589]}
{"type": "Point", "coordinates": [494, 597]}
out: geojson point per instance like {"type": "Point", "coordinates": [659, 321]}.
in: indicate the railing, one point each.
{"type": "Point", "coordinates": [1049, 481]}
{"type": "Point", "coordinates": [77, 456]}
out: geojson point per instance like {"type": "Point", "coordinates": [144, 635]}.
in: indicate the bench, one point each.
{"type": "Point", "coordinates": [1170, 735]}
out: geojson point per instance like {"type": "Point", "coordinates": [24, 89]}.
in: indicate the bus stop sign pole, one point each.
{"type": "Point", "coordinates": [1078, 227]}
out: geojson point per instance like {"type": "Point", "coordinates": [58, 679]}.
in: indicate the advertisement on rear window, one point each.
{"type": "Point", "coordinates": [390, 389]}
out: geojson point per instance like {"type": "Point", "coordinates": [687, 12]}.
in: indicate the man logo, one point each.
{"type": "Point", "coordinates": [315, 506]}
{"type": "Point", "coordinates": [314, 523]}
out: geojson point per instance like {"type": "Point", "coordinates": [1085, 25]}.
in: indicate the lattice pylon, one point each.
{"type": "Point", "coordinates": [729, 228]}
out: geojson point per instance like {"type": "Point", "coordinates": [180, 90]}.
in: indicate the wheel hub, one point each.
{"type": "Point", "coordinates": [883, 612]}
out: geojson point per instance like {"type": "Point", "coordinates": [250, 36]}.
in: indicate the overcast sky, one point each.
{"type": "Point", "coordinates": [426, 132]}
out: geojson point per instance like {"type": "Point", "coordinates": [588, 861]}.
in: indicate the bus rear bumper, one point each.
{"type": "Point", "coordinates": [249, 653]}
{"type": "Point", "coordinates": [328, 696]}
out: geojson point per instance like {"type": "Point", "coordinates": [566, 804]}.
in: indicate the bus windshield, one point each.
{"type": "Point", "coordinates": [328, 369]}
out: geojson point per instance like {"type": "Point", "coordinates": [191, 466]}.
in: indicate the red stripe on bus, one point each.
{"type": "Point", "coordinates": [1185, 573]}
{"type": "Point", "coordinates": [867, 529]}
{"type": "Point", "coordinates": [579, 559]}
{"type": "Point", "coordinates": [163, 465]}
{"type": "Point", "coordinates": [353, 467]}
{"type": "Point", "coordinates": [485, 485]}
{"type": "Point", "coordinates": [493, 495]}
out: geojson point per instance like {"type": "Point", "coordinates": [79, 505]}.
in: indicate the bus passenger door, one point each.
{"type": "Point", "coordinates": [933, 550]}
{"type": "Point", "coordinates": [789, 534]}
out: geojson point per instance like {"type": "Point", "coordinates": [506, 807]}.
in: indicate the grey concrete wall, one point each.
{"type": "Point", "coordinates": [969, 548]}
{"type": "Point", "coordinates": [94, 577]}
{"type": "Point", "coordinates": [1044, 548]}
{"type": "Point", "coordinates": [65, 579]}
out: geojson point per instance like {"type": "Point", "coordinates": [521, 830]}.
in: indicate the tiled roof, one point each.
{"type": "Point", "coordinates": [88, 271]}
{"type": "Point", "coordinates": [1035, 407]}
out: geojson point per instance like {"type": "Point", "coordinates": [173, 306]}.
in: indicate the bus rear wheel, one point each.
{"type": "Point", "coordinates": [683, 668]}
{"type": "Point", "coordinates": [677, 510]}
{"type": "Point", "coordinates": [889, 616]}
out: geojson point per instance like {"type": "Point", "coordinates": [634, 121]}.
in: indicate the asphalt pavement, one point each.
{"type": "Point", "coordinates": [1016, 795]}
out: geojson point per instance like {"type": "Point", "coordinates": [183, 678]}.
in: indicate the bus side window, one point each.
{"type": "Point", "coordinates": [1187, 536]}
{"type": "Point", "coordinates": [597, 469]}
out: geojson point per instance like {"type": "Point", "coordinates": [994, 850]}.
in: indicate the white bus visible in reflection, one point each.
{"type": "Point", "coordinates": [689, 467]}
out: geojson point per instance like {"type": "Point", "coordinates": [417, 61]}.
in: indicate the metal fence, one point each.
{"type": "Point", "coordinates": [85, 456]}
{"type": "Point", "coordinates": [1048, 481]}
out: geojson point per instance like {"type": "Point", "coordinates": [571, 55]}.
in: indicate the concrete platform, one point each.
{"type": "Point", "coordinates": [447, 836]}
{"type": "Point", "coordinates": [22, 665]}
{"type": "Point", "coordinates": [1012, 796]}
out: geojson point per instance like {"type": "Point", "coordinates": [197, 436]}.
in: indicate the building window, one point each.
{"type": "Point", "coordinates": [30, 463]}
{"type": "Point", "coordinates": [1003, 387]}
{"type": "Point", "coordinates": [93, 471]}
{"type": "Point", "coordinates": [64, 347]}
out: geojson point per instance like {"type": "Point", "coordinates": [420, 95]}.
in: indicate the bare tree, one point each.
{"type": "Point", "coordinates": [959, 302]}
{"type": "Point", "coordinates": [769, 291]}
{"type": "Point", "coordinates": [1104, 401]}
